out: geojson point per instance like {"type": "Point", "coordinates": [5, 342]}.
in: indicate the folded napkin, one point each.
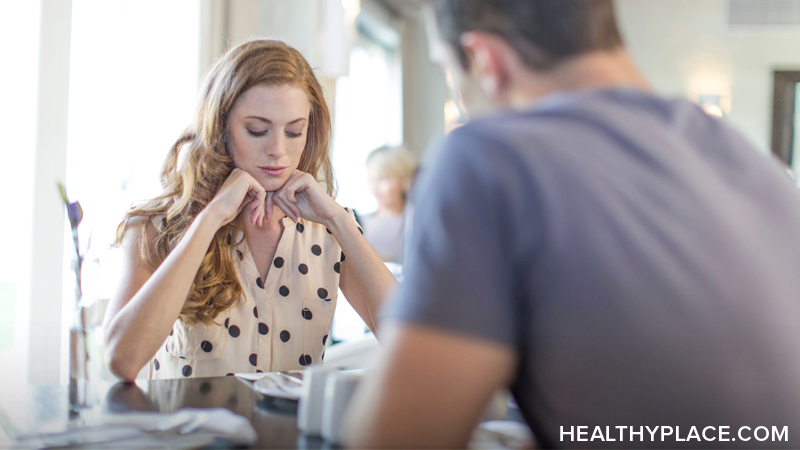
{"type": "Point", "coordinates": [185, 428]}
{"type": "Point", "coordinates": [287, 385]}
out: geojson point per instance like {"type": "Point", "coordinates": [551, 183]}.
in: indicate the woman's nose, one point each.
{"type": "Point", "coordinates": [276, 147]}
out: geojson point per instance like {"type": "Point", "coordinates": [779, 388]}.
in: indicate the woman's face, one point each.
{"type": "Point", "coordinates": [388, 190]}
{"type": "Point", "coordinates": [267, 131]}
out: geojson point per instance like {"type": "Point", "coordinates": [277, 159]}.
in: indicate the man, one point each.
{"type": "Point", "coordinates": [626, 264]}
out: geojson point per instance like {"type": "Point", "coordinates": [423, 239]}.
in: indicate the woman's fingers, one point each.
{"type": "Point", "coordinates": [270, 203]}
{"type": "Point", "coordinates": [281, 203]}
{"type": "Point", "coordinates": [261, 197]}
{"type": "Point", "coordinates": [294, 184]}
{"type": "Point", "coordinates": [283, 195]}
{"type": "Point", "coordinates": [291, 186]}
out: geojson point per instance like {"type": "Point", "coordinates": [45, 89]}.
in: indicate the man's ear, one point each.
{"type": "Point", "coordinates": [489, 61]}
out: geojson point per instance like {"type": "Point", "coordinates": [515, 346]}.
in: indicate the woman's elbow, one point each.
{"type": "Point", "coordinates": [122, 368]}
{"type": "Point", "coordinates": [119, 364]}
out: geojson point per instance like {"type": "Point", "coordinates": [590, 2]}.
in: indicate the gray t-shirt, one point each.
{"type": "Point", "coordinates": [640, 257]}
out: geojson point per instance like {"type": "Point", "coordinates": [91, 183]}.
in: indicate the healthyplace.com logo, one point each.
{"type": "Point", "coordinates": [670, 434]}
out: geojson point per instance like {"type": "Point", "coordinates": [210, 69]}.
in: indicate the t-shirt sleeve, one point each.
{"type": "Point", "coordinates": [460, 274]}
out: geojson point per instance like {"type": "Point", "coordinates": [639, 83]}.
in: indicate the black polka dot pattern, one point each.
{"type": "Point", "coordinates": [234, 331]}
{"type": "Point", "coordinates": [313, 268]}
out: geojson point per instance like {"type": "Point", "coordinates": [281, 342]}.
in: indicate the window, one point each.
{"type": "Point", "coordinates": [368, 114]}
{"type": "Point", "coordinates": [19, 68]}
{"type": "Point", "coordinates": [134, 72]}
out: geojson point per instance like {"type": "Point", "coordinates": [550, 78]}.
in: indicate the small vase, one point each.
{"type": "Point", "coordinates": [83, 348]}
{"type": "Point", "coordinates": [79, 398]}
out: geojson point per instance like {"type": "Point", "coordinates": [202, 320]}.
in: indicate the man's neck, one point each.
{"type": "Point", "coordinates": [596, 70]}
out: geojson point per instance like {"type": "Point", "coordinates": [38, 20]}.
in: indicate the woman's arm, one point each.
{"type": "Point", "coordinates": [148, 300]}
{"type": "Point", "coordinates": [365, 280]}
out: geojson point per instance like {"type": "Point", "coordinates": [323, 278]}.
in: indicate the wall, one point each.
{"type": "Point", "coordinates": [424, 88]}
{"type": "Point", "coordinates": [685, 47]}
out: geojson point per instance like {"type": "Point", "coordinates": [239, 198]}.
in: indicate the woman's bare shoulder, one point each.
{"type": "Point", "coordinates": [139, 240]}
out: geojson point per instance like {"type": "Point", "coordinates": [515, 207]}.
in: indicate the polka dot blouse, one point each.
{"type": "Point", "coordinates": [281, 323]}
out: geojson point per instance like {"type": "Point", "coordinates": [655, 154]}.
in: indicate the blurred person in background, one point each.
{"type": "Point", "coordinates": [391, 172]}
{"type": "Point", "coordinates": [237, 265]}
{"type": "Point", "coordinates": [616, 258]}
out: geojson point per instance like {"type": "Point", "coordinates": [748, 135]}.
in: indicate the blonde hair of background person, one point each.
{"type": "Point", "coordinates": [395, 164]}
{"type": "Point", "coordinates": [236, 171]}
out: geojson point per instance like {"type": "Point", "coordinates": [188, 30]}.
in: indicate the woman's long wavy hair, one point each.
{"type": "Point", "coordinates": [199, 162]}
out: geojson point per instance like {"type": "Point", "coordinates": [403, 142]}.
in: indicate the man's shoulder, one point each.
{"type": "Point", "coordinates": [550, 118]}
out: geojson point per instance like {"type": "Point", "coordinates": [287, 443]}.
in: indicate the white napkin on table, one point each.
{"type": "Point", "coordinates": [185, 428]}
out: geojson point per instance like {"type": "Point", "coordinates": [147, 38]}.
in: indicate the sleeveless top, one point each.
{"type": "Point", "coordinates": [280, 323]}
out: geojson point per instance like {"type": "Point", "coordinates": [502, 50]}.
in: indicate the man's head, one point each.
{"type": "Point", "coordinates": [494, 40]}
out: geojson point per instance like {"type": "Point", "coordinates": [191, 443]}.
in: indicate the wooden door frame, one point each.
{"type": "Point", "coordinates": [783, 111]}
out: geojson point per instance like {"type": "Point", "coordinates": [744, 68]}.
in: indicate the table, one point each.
{"type": "Point", "coordinates": [47, 407]}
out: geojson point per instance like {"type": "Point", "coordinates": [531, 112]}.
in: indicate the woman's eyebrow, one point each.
{"type": "Point", "coordinates": [264, 119]}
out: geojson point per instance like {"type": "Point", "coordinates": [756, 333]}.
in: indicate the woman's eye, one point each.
{"type": "Point", "coordinates": [257, 133]}
{"type": "Point", "coordinates": [293, 135]}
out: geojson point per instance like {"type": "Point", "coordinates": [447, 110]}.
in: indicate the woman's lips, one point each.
{"type": "Point", "coordinates": [273, 171]}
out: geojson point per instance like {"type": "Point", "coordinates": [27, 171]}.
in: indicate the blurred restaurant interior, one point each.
{"type": "Point", "coordinates": [94, 92]}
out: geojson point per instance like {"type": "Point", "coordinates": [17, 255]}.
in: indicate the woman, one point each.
{"type": "Point", "coordinates": [391, 171]}
{"type": "Point", "coordinates": [236, 266]}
